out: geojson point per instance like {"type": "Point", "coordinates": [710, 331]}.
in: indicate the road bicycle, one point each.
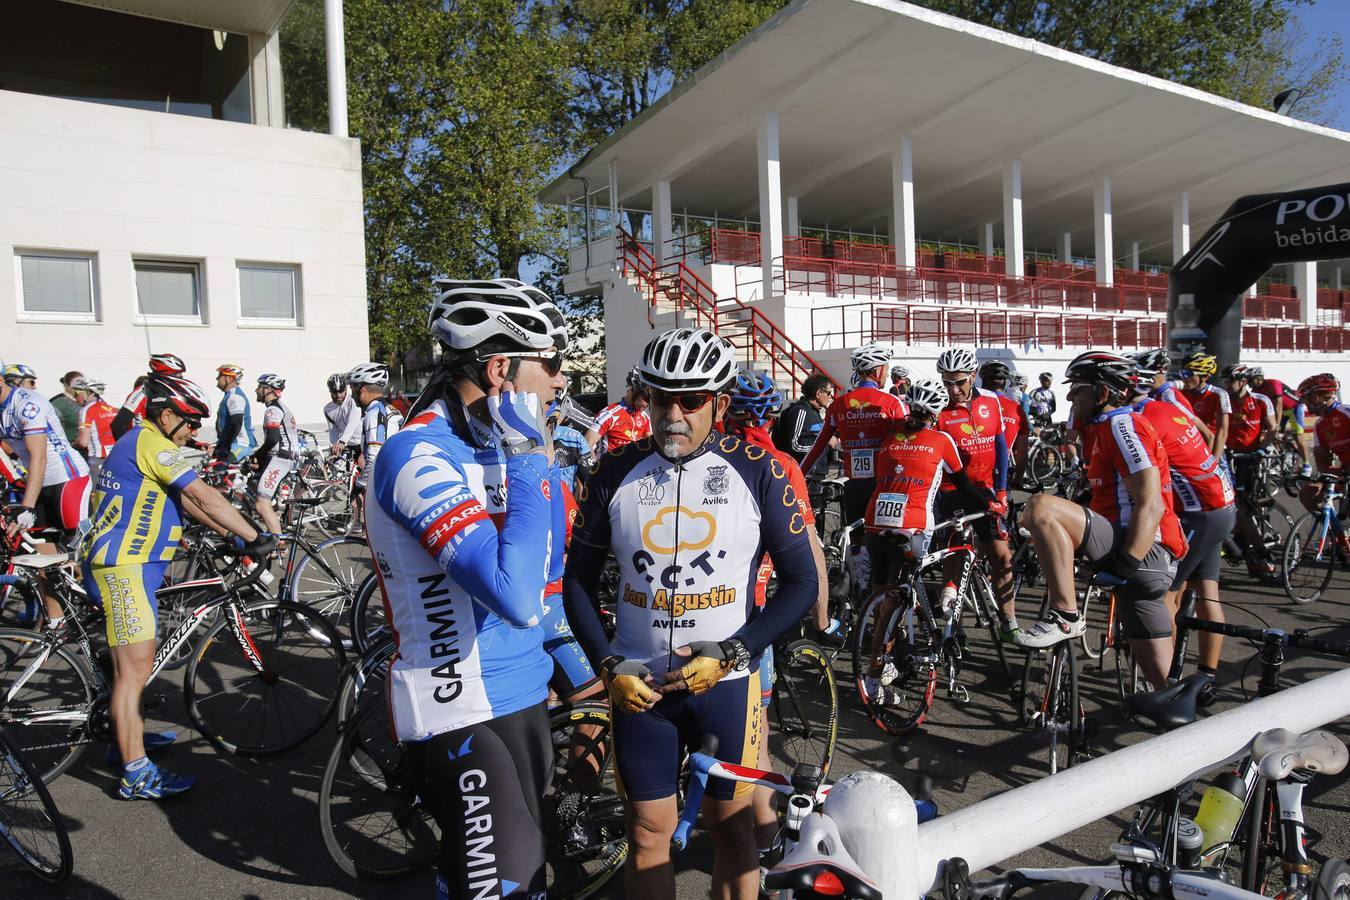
{"type": "Point", "coordinates": [1317, 545]}
{"type": "Point", "coordinates": [804, 705]}
{"type": "Point", "coordinates": [29, 820]}
{"type": "Point", "coordinates": [263, 679]}
{"type": "Point", "coordinates": [1256, 500]}
{"type": "Point", "coordinates": [1049, 696]}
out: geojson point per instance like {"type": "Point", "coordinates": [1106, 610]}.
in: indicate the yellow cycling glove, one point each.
{"type": "Point", "coordinates": [626, 681]}
{"type": "Point", "coordinates": [712, 660]}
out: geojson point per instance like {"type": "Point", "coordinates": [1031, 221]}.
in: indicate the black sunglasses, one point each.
{"type": "Point", "coordinates": [690, 402]}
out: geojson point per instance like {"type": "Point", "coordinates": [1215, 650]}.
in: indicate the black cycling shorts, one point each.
{"type": "Point", "coordinates": [953, 504]}
{"type": "Point", "coordinates": [857, 494]}
{"type": "Point", "coordinates": [485, 784]}
{"type": "Point", "coordinates": [1205, 532]}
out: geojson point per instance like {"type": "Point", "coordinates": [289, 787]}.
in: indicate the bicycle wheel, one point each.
{"type": "Point", "coordinates": [1095, 612]}
{"type": "Point", "coordinates": [48, 713]}
{"type": "Point", "coordinates": [1045, 465]}
{"type": "Point", "coordinates": [334, 517]}
{"type": "Point", "coordinates": [910, 643]}
{"type": "Point", "coordinates": [29, 820]}
{"type": "Point", "coordinates": [1063, 716]}
{"type": "Point", "coordinates": [980, 599]}
{"type": "Point", "coordinates": [591, 842]}
{"type": "Point", "coordinates": [1261, 869]}
{"type": "Point", "coordinates": [365, 679]}
{"type": "Point", "coordinates": [1333, 881]}
{"type": "Point", "coordinates": [268, 686]}
{"type": "Point", "coordinates": [367, 619]}
{"type": "Point", "coordinates": [326, 578]}
{"type": "Point", "coordinates": [804, 708]}
{"type": "Point", "coordinates": [373, 822]}
{"type": "Point", "coordinates": [1310, 558]}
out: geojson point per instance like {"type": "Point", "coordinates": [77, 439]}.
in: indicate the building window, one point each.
{"type": "Point", "coordinates": [168, 289]}
{"type": "Point", "coordinates": [57, 285]}
{"type": "Point", "coordinates": [269, 294]}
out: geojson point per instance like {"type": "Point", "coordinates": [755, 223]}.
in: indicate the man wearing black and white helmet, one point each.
{"type": "Point", "coordinates": [344, 421]}
{"type": "Point", "coordinates": [688, 514]}
{"type": "Point", "coordinates": [379, 420]}
{"type": "Point", "coordinates": [623, 421]}
{"type": "Point", "coordinates": [463, 564]}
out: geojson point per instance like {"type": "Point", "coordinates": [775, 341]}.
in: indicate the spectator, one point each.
{"type": "Point", "coordinates": [68, 405]}
{"type": "Point", "coordinates": [796, 429]}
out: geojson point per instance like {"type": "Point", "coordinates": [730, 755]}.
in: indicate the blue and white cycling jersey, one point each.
{"type": "Point", "coordinates": [24, 413]}
{"type": "Point", "coordinates": [234, 403]}
{"type": "Point", "coordinates": [465, 599]}
{"type": "Point", "coordinates": [379, 422]}
{"type": "Point", "coordinates": [580, 448]}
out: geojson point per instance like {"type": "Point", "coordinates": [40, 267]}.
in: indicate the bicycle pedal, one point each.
{"type": "Point", "coordinates": [156, 701]}
{"type": "Point", "coordinates": [958, 693]}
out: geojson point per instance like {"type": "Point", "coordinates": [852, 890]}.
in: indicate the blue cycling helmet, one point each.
{"type": "Point", "coordinates": [755, 397]}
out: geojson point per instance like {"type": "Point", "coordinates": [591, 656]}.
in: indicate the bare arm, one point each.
{"type": "Point", "coordinates": [1220, 436]}
{"type": "Point", "coordinates": [37, 467]}
{"type": "Point", "coordinates": [1145, 489]}
{"type": "Point", "coordinates": [209, 506]}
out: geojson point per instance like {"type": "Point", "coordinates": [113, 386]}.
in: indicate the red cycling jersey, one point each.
{"type": "Point", "coordinates": [863, 418]}
{"type": "Point", "coordinates": [619, 424]}
{"type": "Point", "coordinates": [1332, 432]}
{"type": "Point", "coordinates": [910, 469]}
{"type": "Point", "coordinates": [1209, 402]}
{"type": "Point", "coordinates": [1122, 443]}
{"type": "Point", "coordinates": [975, 427]}
{"type": "Point", "coordinates": [759, 436]}
{"type": "Point", "coordinates": [1277, 393]}
{"type": "Point", "coordinates": [1014, 419]}
{"type": "Point", "coordinates": [1170, 393]}
{"type": "Point", "coordinates": [1249, 416]}
{"type": "Point", "coordinates": [570, 512]}
{"type": "Point", "coordinates": [1199, 483]}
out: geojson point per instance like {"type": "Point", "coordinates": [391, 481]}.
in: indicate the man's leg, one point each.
{"type": "Point", "coordinates": [766, 819]}
{"type": "Point", "coordinates": [648, 872]}
{"type": "Point", "coordinates": [1211, 610]}
{"type": "Point", "coordinates": [1057, 529]}
{"type": "Point", "coordinates": [1000, 570]}
{"type": "Point", "coordinates": [268, 481]}
{"type": "Point", "coordinates": [730, 823]}
{"type": "Point", "coordinates": [1154, 656]}
{"type": "Point", "coordinates": [131, 668]}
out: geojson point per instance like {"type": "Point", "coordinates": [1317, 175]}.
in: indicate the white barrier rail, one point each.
{"type": "Point", "coordinates": [906, 859]}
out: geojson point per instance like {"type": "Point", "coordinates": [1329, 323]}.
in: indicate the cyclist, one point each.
{"type": "Point", "coordinates": [18, 375]}
{"type": "Point", "coordinates": [570, 447]}
{"type": "Point", "coordinates": [234, 420]}
{"type": "Point", "coordinates": [1202, 495]}
{"type": "Point", "coordinates": [974, 420]}
{"type": "Point", "coordinates": [141, 495]}
{"type": "Point", "coordinates": [1210, 403]}
{"type": "Point", "coordinates": [1251, 428]}
{"type": "Point", "coordinates": [900, 379]}
{"type": "Point", "coordinates": [1153, 370]}
{"type": "Point", "coordinates": [1043, 400]}
{"type": "Point", "coordinates": [795, 431]}
{"type": "Point", "coordinates": [689, 515]}
{"type": "Point", "coordinates": [1129, 532]}
{"type": "Point", "coordinates": [995, 377]}
{"type": "Point", "coordinates": [96, 423]}
{"type": "Point", "coordinates": [344, 421]}
{"type": "Point", "coordinates": [1288, 410]}
{"type": "Point", "coordinates": [1331, 435]}
{"type": "Point", "coordinates": [379, 420]}
{"type": "Point", "coordinates": [916, 458]}
{"type": "Point", "coordinates": [280, 447]}
{"type": "Point", "coordinates": [623, 421]}
{"type": "Point", "coordinates": [133, 408]}
{"type": "Point", "coordinates": [465, 596]}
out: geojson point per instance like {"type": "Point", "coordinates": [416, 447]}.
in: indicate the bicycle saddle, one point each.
{"type": "Point", "coordinates": [1171, 707]}
{"type": "Point", "coordinates": [1279, 752]}
{"type": "Point", "coordinates": [819, 866]}
{"type": "Point", "coordinates": [40, 560]}
{"type": "Point", "coordinates": [305, 501]}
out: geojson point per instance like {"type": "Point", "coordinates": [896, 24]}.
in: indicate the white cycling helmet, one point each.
{"type": "Point", "coordinates": [927, 395]}
{"type": "Point", "coordinates": [275, 382]}
{"type": "Point", "coordinates": [370, 373]}
{"type": "Point", "coordinates": [466, 314]}
{"type": "Point", "coordinates": [956, 359]}
{"type": "Point", "coordinates": [870, 356]}
{"type": "Point", "coordinates": [95, 387]}
{"type": "Point", "coordinates": [688, 359]}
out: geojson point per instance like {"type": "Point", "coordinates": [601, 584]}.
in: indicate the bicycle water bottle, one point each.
{"type": "Point", "coordinates": [1190, 843]}
{"type": "Point", "coordinates": [1221, 808]}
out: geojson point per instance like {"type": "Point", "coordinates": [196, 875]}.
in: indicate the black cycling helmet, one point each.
{"type": "Point", "coordinates": [177, 393]}
{"type": "Point", "coordinates": [995, 369]}
{"type": "Point", "coordinates": [1114, 371]}
{"type": "Point", "coordinates": [337, 382]}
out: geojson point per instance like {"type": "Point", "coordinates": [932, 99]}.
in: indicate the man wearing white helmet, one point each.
{"type": "Point", "coordinates": [280, 449]}
{"type": "Point", "coordinates": [95, 424]}
{"type": "Point", "coordinates": [342, 416]}
{"type": "Point", "coordinates": [900, 380]}
{"type": "Point", "coordinates": [379, 420]}
{"type": "Point", "coordinates": [463, 565]}
{"type": "Point", "coordinates": [688, 514]}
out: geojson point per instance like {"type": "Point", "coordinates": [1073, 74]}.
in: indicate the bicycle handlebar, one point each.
{"type": "Point", "coordinates": [1299, 639]}
{"type": "Point", "coordinates": [700, 764]}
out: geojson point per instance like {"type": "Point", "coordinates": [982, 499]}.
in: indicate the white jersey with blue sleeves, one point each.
{"type": "Point", "coordinates": [25, 413]}
{"type": "Point", "coordinates": [463, 575]}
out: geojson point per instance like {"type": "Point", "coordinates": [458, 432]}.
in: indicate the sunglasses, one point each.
{"type": "Point", "coordinates": [192, 424]}
{"type": "Point", "coordinates": [29, 382]}
{"type": "Point", "coordinates": [955, 382]}
{"type": "Point", "coordinates": [689, 402]}
{"type": "Point", "coordinates": [552, 362]}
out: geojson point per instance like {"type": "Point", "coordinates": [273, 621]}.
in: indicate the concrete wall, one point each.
{"type": "Point", "coordinates": [119, 183]}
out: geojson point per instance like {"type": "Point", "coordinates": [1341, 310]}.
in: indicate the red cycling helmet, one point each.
{"type": "Point", "coordinates": [176, 393]}
{"type": "Point", "coordinates": [166, 364]}
{"type": "Point", "coordinates": [1317, 384]}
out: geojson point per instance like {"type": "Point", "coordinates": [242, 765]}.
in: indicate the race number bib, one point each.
{"type": "Point", "coordinates": [861, 464]}
{"type": "Point", "coordinates": [889, 511]}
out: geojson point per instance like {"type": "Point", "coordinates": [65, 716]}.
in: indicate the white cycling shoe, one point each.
{"type": "Point", "coordinates": [1050, 631]}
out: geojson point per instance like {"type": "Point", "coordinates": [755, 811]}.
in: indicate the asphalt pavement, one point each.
{"type": "Point", "coordinates": [250, 829]}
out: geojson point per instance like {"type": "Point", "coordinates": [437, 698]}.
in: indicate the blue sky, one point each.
{"type": "Point", "coordinates": [1331, 17]}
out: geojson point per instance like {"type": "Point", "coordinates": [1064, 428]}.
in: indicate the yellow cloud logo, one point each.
{"type": "Point", "coordinates": [696, 531]}
{"type": "Point", "coordinates": [777, 468]}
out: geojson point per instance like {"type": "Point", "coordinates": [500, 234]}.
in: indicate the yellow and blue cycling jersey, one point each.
{"type": "Point", "coordinates": [137, 518]}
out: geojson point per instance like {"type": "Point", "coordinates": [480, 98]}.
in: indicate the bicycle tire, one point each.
{"type": "Point", "coordinates": [29, 820]}
{"type": "Point", "coordinates": [804, 706]}
{"type": "Point", "coordinates": [1066, 711]}
{"type": "Point", "coordinates": [335, 515]}
{"type": "Point", "coordinates": [367, 782]}
{"type": "Point", "coordinates": [1046, 464]}
{"type": "Point", "coordinates": [981, 595]}
{"type": "Point", "coordinates": [1333, 881]}
{"type": "Point", "coordinates": [916, 676]}
{"type": "Point", "coordinates": [1309, 560]}
{"type": "Point", "coordinates": [327, 577]}
{"type": "Point", "coordinates": [220, 676]}
{"type": "Point", "coordinates": [63, 681]}
{"type": "Point", "coordinates": [368, 674]}
{"type": "Point", "coordinates": [1260, 853]}
{"type": "Point", "coordinates": [367, 616]}
{"type": "Point", "coordinates": [591, 843]}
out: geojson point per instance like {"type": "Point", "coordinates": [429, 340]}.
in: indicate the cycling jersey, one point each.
{"type": "Point", "coordinates": [137, 516]}
{"type": "Point", "coordinates": [1332, 432]}
{"type": "Point", "coordinates": [25, 413]}
{"type": "Point", "coordinates": [135, 404]}
{"type": "Point", "coordinates": [689, 535]}
{"type": "Point", "coordinates": [1199, 483]}
{"type": "Point", "coordinates": [863, 419]}
{"type": "Point", "coordinates": [619, 424]}
{"type": "Point", "coordinates": [977, 428]}
{"type": "Point", "coordinates": [280, 433]}
{"type": "Point", "coordinates": [1277, 393]}
{"type": "Point", "coordinates": [1013, 418]}
{"type": "Point", "coordinates": [379, 422]}
{"type": "Point", "coordinates": [96, 417]}
{"type": "Point", "coordinates": [1250, 414]}
{"type": "Point", "coordinates": [344, 421]}
{"type": "Point", "coordinates": [465, 601]}
{"type": "Point", "coordinates": [796, 431]}
{"type": "Point", "coordinates": [910, 470]}
{"type": "Point", "coordinates": [242, 443]}
{"type": "Point", "coordinates": [1042, 402]}
{"type": "Point", "coordinates": [1168, 392]}
{"type": "Point", "coordinates": [1209, 402]}
{"type": "Point", "coordinates": [1120, 443]}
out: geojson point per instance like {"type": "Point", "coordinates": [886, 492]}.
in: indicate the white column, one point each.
{"type": "Point", "coordinates": [1336, 279]}
{"type": "Point", "coordinates": [1251, 291]}
{"type": "Point", "coordinates": [794, 220]}
{"type": "Point", "coordinates": [1066, 248]}
{"type": "Point", "coordinates": [1305, 283]}
{"type": "Point", "coordinates": [770, 201]}
{"type": "Point", "coordinates": [1012, 218]}
{"type": "Point", "coordinates": [987, 239]}
{"type": "Point", "coordinates": [662, 229]}
{"type": "Point", "coordinates": [336, 50]}
{"type": "Point", "coordinates": [613, 170]}
{"type": "Point", "coordinates": [264, 71]}
{"type": "Point", "coordinates": [902, 203]}
{"type": "Point", "coordinates": [1181, 225]}
{"type": "Point", "coordinates": [1134, 255]}
{"type": "Point", "coordinates": [1101, 231]}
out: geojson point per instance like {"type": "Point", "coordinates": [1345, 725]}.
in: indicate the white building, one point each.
{"type": "Point", "coordinates": [860, 170]}
{"type": "Point", "coordinates": [151, 198]}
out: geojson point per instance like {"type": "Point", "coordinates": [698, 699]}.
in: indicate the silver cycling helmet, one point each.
{"type": "Point", "coordinates": [467, 314]}
{"type": "Point", "coordinates": [956, 359]}
{"type": "Point", "coordinates": [275, 382]}
{"type": "Point", "coordinates": [927, 395]}
{"type": "Point", "coordinates": [369, 373]}
{"type": "Point", "coordinates": [688, 359]}
{"type": "Point", "coordinates": [870, 356]}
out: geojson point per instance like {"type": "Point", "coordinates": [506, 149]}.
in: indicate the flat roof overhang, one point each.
{"type": "Point", "coordinates": [239, 16]}
{"type": "Point", "coordinates": [851, 78]}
